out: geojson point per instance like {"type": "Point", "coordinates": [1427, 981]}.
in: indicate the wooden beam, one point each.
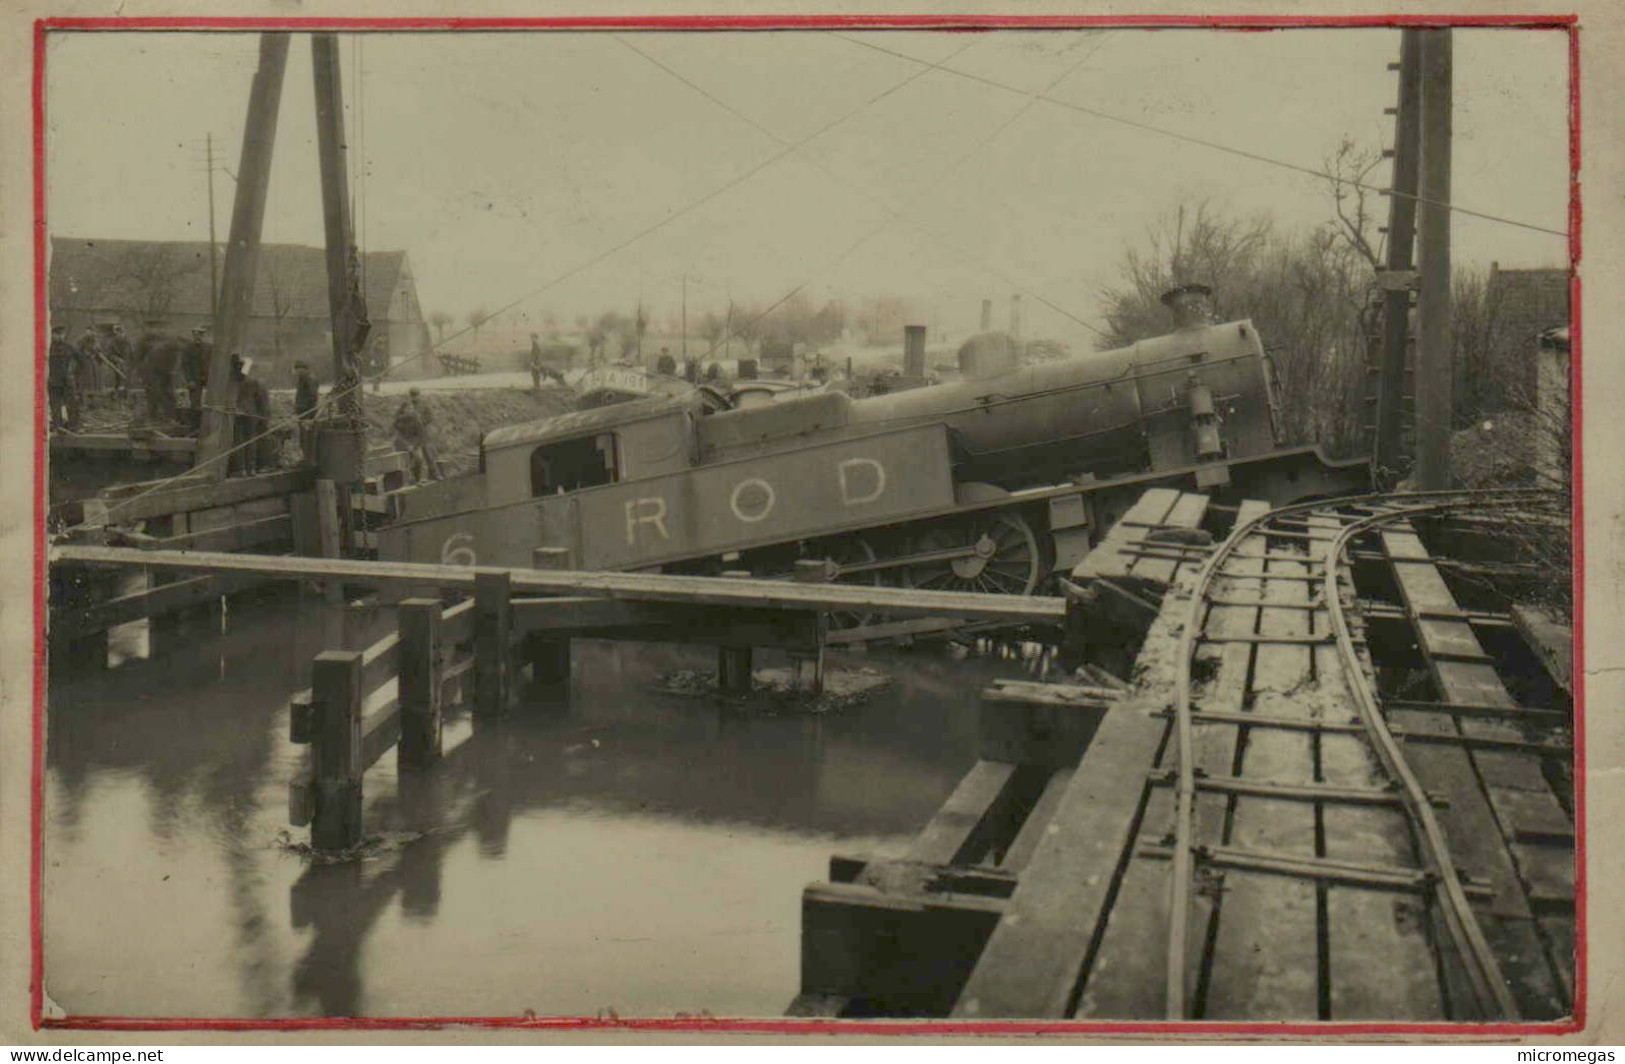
{"type": "Point", "coordinates": [647, 587]}
{"type": "Point", "coordinates": [277, 528]}
{"type": "Point", "coordinates": [195, 495]}
{"type": "Point", "coordinates": [493, 643]}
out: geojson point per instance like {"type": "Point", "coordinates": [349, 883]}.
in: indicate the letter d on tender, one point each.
{"type": "Point", "coordinates": [843, 472]}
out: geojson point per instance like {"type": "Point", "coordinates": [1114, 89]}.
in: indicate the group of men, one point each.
{"type": "Point", "coordinates": [75, 370]}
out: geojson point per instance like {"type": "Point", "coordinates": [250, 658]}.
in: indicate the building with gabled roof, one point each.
{"type": "Point", "coordinates": [99, 282]}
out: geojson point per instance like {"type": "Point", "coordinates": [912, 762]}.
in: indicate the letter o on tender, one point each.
{"type": "Point", "coordinates": [752, 500]}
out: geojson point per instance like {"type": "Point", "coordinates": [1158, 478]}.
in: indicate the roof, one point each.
{"type": "Point", "coordinates": [172, 277]}
{"type": "Point", "coordinates": [1528, 302]}
{"type": "Point", "coordinates": [580, 422]}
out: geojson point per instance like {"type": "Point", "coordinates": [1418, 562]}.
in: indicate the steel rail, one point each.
{"type": "Point", "coordinates": [1394, 507]}
{"type": "Point", "coordinates": [1483, 973]}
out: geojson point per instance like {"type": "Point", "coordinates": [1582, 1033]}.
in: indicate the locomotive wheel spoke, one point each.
{"type": "Point", "coordinates": [997, 554]}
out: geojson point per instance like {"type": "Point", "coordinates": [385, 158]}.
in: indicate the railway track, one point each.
{"type": "Point", "coordinates": [1336, 785]}
{"type": "Point", "coordinates": [1302, 554]}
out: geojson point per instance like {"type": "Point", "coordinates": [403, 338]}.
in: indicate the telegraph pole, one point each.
{"type": "Point", "coordinates": [214, 271]}
{"type": "Point", "coordinates": [1399, 279]}
{"type": "Point", "coordinates": [1433, 339]}
{"type": "Point", "coordinates": [685, 319]}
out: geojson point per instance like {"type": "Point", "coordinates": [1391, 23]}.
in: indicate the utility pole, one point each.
{"type": "Point", "coordinates": [214, 270]}
{"type": "Point", "coordinates": [1433, 341]}
{"type": "Point", "coordinates": [350, 324]}
{"type": "Point", "coordinates": [236, 300]}
{"type": "Point", "coordinates": [685, 319]}
{"type": "Point", "coordinates": [1399, 279]}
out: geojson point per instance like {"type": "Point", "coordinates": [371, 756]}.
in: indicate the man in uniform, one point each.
{"type": "Point", "coordinates": [306, 397]}
{"type": "Point", "coordinates": [253, 450]}
{"type": "Point", "coordinates": [535, 362]}
{"type": "Point", "coordinates": [121, 355]}
{"type": "Point", "coordinates": [92, 371]}
{"type": "Point", "coordinates": [62, 381]}
{"type": "Point", "coordinates": [155, 358]}
{"type": "Point", "coordinates": [195, 369]}
{"type": "Point", "coordinates": [411, 426]}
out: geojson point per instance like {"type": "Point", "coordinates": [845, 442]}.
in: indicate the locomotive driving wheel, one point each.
{"type": "Point", "coordinates": [848, 551]}
{"type": "Point", "coordinates": [998, 554]}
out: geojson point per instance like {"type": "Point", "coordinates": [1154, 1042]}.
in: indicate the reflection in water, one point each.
{"type": "Point", "coordinates": [631, 850]}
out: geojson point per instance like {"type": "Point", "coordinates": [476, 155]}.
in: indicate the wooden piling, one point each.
{"type": "Point", "coordinates": [336, 749]}
{"type": "Point", "coordinates": [807, 666]}
{"type": "Point", "coordinates": [548, 653]}
{"type": "Point", "coordinates": [420, 676]}
{"type": "Point", "coordinates": [734, 662]}
{"type": "Point", "coordinates": [493, 643]}
{"type": "Point", "coordinates": [329, 535]}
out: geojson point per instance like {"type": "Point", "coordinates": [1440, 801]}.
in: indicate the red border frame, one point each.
{"type": "Point", "coordinates": [966, 23]}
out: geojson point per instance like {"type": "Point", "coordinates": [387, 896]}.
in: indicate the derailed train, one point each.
{"type": "Point", "coordinates": [991, 483]}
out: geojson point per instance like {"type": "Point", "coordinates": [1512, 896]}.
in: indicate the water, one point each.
{"type": "Point", "coordinates": [635, 851]}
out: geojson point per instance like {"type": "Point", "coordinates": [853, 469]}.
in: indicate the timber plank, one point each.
{"type": "Point", "coordinates": [1034, 957]}
{"type": "Point", "coordinates": [1107, 558]}
{"type": "Point", "coordinates": [125, 505]}
{"type": "Point", "coordinates": [1127, 978]}
{"type": "Point", "coordinates": [1265, 956]}
{"type": "Point", "coordinates": [1379, 962]}
{"type": "Point", "coordinates": [650, 587]}
{"type": "Point", "coordinates": [952, 833]}
{"type": "Point", "coordinates": [1476, 822]}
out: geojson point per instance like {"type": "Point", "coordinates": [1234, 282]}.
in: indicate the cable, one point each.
{"type": "Point", "coordinates": [1240, 152]}
{"type": "Point", "coordinates": [893, 214]}
{"type": "Point", "coordinates": [336, 394]}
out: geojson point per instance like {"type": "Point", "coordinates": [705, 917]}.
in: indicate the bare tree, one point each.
{"type": "Point", "coordinates": [1306, 292]}
{"type": "Point", "coordinates": [1350, 166]}
{"type": "Point", "coordinates": [440, 319]}
{"type": "Point", "coordinates": [476, 318]}
{"type": "Point", "coordinates": [154, 274]}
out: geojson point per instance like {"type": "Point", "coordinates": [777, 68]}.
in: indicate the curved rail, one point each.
{"type": "Point", "coordinates": [1460, 921]}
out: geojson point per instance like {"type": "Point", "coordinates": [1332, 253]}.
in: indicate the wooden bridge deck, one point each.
{"type": "Point", "coordinates": [1312, 893]}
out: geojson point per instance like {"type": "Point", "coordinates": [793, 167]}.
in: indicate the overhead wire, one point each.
{"type": "Point", "coordinates": [1213, 145]}
{"type": "Point", "coordinates": [327, 401]}
{"type": "Point", "coordinates": [893, 215]}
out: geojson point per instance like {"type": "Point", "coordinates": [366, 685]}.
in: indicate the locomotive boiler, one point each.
{"type": "Point", "coordinates": [990, 483]}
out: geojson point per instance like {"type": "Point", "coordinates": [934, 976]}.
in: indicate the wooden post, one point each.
{"type": "Point", "coordinates": [734, 663]}
{"type": "Point", "coordinates": [1434, 403]}
{"type": "Point", "coordinates": [807, 667]}
{"type": "Point", "coordinates": [329, 535]}
{"type": "Point", "coordinates": [420, 683]}
{"type": "Point", "coordinates": [548, 654]}
{"type": "Point", "coordinates": [236, 300]}
{"type": "Point", "coordinates": [493, 643]}
{"type": "Point", "coordinates": [336, 749]}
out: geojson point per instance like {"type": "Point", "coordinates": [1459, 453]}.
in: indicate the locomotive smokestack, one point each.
{"type": "Point", "coordinates": [1191, 306]}
{"type": "Point", "coordinates": [914, 350]}
{"type": "Point", "coordinates": [987, 315]}
{"type": "Point", "coordinates": [1015, 318]}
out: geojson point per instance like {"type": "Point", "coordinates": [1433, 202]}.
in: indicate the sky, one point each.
{"type": "Point", "coordinates": [565, 173]}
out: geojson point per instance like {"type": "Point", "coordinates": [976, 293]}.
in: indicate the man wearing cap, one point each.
{"type": "Point", "coordinates": [306, 397]}
{"type": "Point", "coordinates": [411, 426]}
{"type": "Point", "coordinates": [90, 362]}
{"type": "Point", "coordinates": [195, 369]}
{"type": "Point", "coordinates": [62, 381]}
{"type": "Point", "coordinates": [155, 359]}
{"type": "Point", "coordinates": [121, 355]}
{"type": "Point", "coordinates": [253, 451]}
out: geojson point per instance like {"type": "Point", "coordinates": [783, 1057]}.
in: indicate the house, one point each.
{"type": "Point", "coordinates": [1521, 307]}
{"type": "Point", "coordinates": [130, 281]}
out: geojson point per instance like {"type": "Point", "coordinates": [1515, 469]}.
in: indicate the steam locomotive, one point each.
{"type": "Point", "coordinates": [990, 483]}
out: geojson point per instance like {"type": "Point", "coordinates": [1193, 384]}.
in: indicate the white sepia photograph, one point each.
{"type": "Point", "coordinates": [702, 522]}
